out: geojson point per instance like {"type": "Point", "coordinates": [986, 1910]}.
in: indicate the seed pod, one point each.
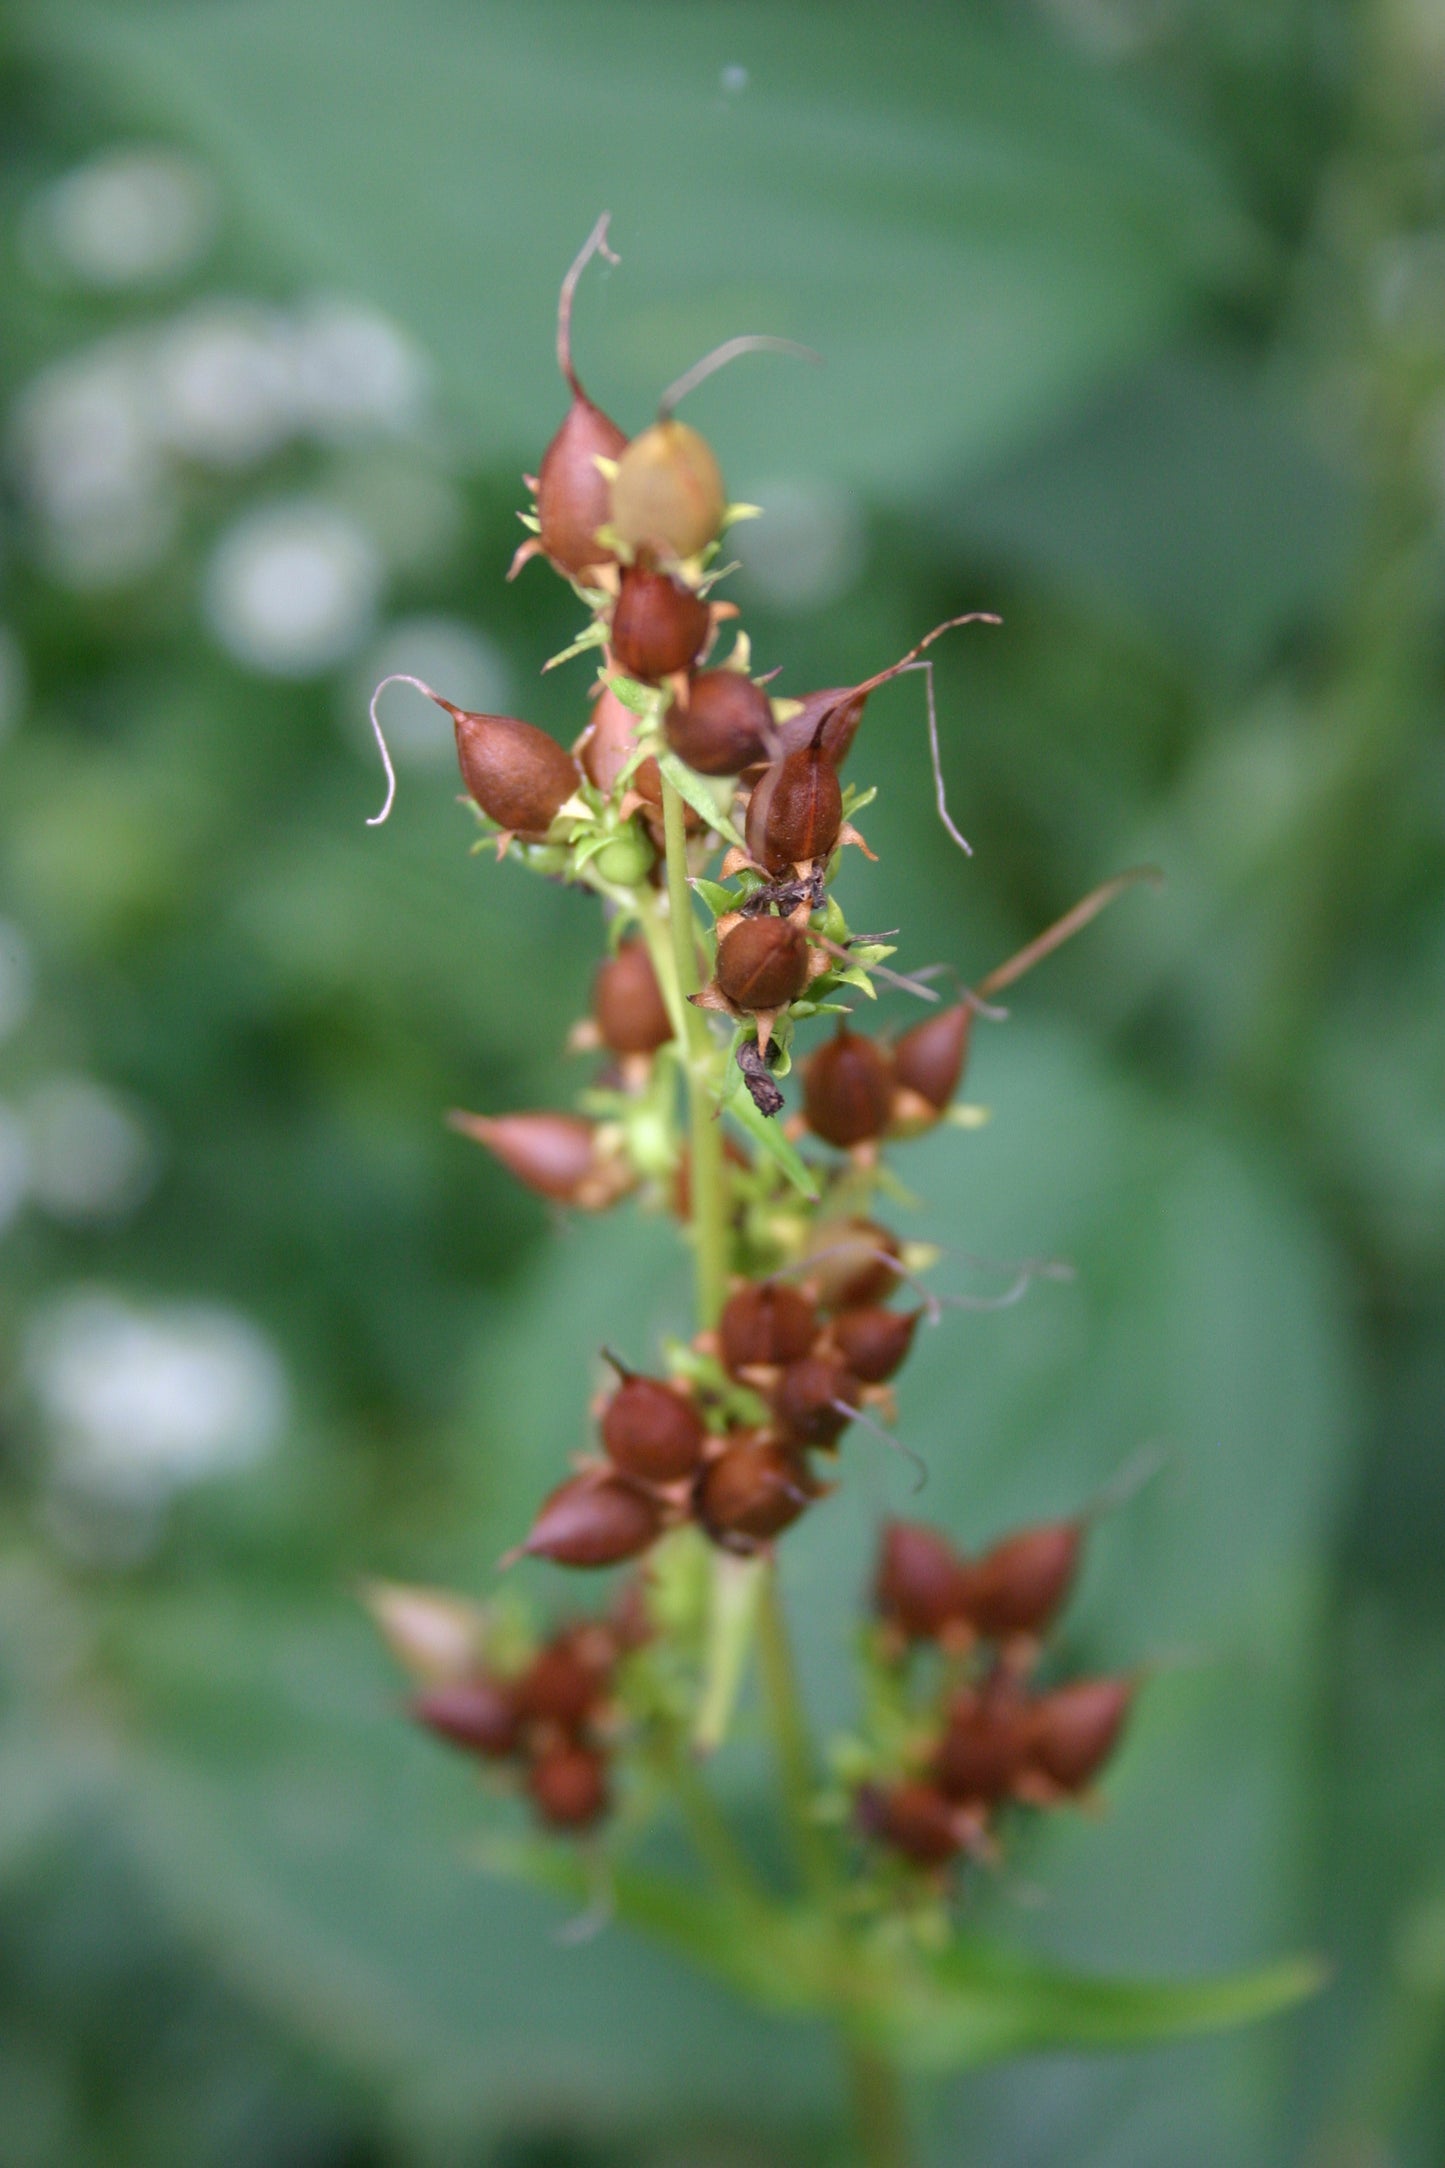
{"type": "Point", "coordinates": [831, 717]}
{"type": "Point", "coordinates": [753, 1490]}
{"type": "Point", "coordinates": [1020, 1585]}
{"type": "Point", "coordinates": [659, 626]}
{"type": "Point", "coordinates": [930, 1058]}
{"type": "Point", "coordinates": [517, 774]}
{"type": "Point", "coordinates": [627, 1003]}
{"type": "Point", "coordinates": [651, 1431]}
{"type": "Point", "coordinates": [608, 742]}
{"type": "Point", "coordinates": [555, 1155]}
{"type": "Point", "coordinates": [762, 963]}
{"type": "Point", "coordinates": [848, 1263]}
{"type": "Point", "coordinates": [667, 494]}
{"type": "Point", "coordinates": [435, 1636]}
{"type": "Point", "coordinates": [847, 1090]}
{"type": "Point", "coordinates": [812, 1399]}
{"type": "Point", "coordinates": [726, 725]}
{"type": "Point", "coordinates": [985, 1746]}
{"type": "Point", "coordinates": [589, 1521]}
{"type": "Point", "coordinates": [795, 811]}
{"type": "Point", "coordinates": [765, 1322]}
{"type": "Point", "coordinates": [477, 1714]}
{"type": "Point", "coordinates": [1074, 1730]}
{"type": "Point", "coordinates": [921, 1582]}
{"type": "Point", "coordinates": [572, 495]}
{"type": "Point", "coordinates": [874, 1342]}
{"type": "Point", "coordinates": [568, 1785]}
{"type": "Point", "coordinates": [565, 1680]}
{"type": "Point", "coordinates": [915, 1819]}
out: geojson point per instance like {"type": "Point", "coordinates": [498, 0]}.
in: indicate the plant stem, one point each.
{"type": "Point", "coordinates": [790, 1740]}
{"type": "Point", "coordinates": [706, 1171]}
{"type": "Point", "coordinates": [879, 2113]}
{"type": "Point", "coordinates": [712, 1839]}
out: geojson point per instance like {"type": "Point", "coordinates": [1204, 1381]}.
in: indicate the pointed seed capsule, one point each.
{"type": "Point", "coordinates": [651, 1431]}
{"type": "Point", "coordinates": [1020, 1585]}
{"type": "Point", "coordinates": [914, 1819]}
{"type": "Point", "coordinates": [921, 1581]}
{"type": "Point", "coordinates": [589, 1521]}
{"type": "Point", "coordinates": [849, 1263]}
{"type": "Point", "coordinates": [1075, 1729]}
{"type": "Point", "coordinates": [435, 1636]}
{"type": "Point", "coordinates": [831, 717]}
{"type": "Point", "coordinates": [476, 1714]}
{"type": "Point", "coordinates": [847, 1090]}
{"type": "Point", "coordinates": [519, 776]}
{"type": "Point", "coordinates": [555, 1155]}
{"type": "Point", "coordinates": [762, 963]}
{"type": "Point", "coordinates": [568, 1786]}
{"type": "Point", "coordinates": [765, 1322]}
{"type": "Point", "coordinates": [565, 1680]}
{"type": "Point", "coordinates": [627, 1003]}
{"type": "Point", "coordinates": [812, 1398]}
{"type": "Point", "coordinates": [572, 495]}
{"type": "Point", "coordinates": [930, 1058]}
{"type": "Point", "coordinates": [667, 494]}
{"type": "Point", "coordinates": [726, 725]}
{"type": "Point", "coordinates": [753, 1490]}
{"type": "Point", "coordinates": [795, 811]}
{"type": "Point", "coordinates": [659, 626]}
{"type": "Point", "coordinates": [874, 1342]}
{"type": "Point", "coordinates": [985, 1746]}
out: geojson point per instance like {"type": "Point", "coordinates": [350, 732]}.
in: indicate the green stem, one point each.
{"type": "Point", "coordinates": [706, 1171]}
{"type": "Point", "coordinates": [712, 1839]}
{"type": "Point", "coordinates": [879, 2113]}
{"type": "Point", "coordinates": [790, 1740]}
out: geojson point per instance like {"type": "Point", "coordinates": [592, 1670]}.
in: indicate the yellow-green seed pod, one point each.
{"type": "Point", "coordinates": [667, 493]}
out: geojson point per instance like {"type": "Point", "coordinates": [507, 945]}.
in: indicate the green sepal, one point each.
{"type": "Point", "coordinates": [855, 799]}
{"type": "Point", "coordinates": [719, 900]}
{"type": "Point", "coordinates": [594, 636]}
{"type": "Point", "coordinates": [640, 699]}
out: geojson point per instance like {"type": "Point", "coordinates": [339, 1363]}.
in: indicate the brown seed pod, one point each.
{"type": "Point", "coordinates": [572, 496]}
{"type": "Point", "coordinates": [831, 717]}
{"type": "Point", "coordinates": [555, 1155]}
{"type": "Point", "coordinates": [930, 1058]}
{"type": "Point", "coordinates": [477, 1714]}
{"type": "Point", "coordinates": [592, 1521]}
{"type": "Point", "coordinates": [1020, 1585]}
{"type": "Point", "coordinates": [812, 1399]}
{"type": "Point", "coordinates": [985, 1746]}
{"type": "Point", "coordinates": [765, 1322]}
{"type": "Point", "coordinates": [874, 1342]}
{"type": "Point", "coordinates": [652, 1431]}
{"type": "Point", "coordinates": [568, 1785]}
{"type": "Point", "coordinates": [849, 1263]}
{"type": "Point", "coordinates": [627, 1004]}
{"type": "Point", "coordinates": [921, 1583]}
{"type": "Point", "coordinates": [667, 494]}
{"type": "Point", "coordinates": [914, 1819]}
{"type": "Point", "coordinates": [726, 725]}
{"type": "Point", "coordinates": [659, 626]}
{"type": "Point", "coordinates": [517, 774]}
{"type": "Point", "coordinates": [753, 1491]}
{"type": "Point", "coordinates": [608, 742]}
{"type": "Point", "coordinates": [762, 963]}
{"type": "Point", "coordinates": [568, 1678]}
{"type": "Point", "coordinates": [1074, 1730]}
{"type": "Point", "coordinates": [795, 812]}
{"type": "Point", "coordinates": [847, 1090]}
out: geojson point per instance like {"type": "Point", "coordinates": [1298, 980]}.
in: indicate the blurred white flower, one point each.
{"type": "Point", "coordinates": [132, 216]}
{"type": "Point", "coordinates": [140, 1401]}
{"type": "Point", "coordinates": [222, 386]}
{"type": "Point", "coordinates": [354, 371]}
{"type": "Point", "coordinates": [809, 547]}
{"type": "Point", "coordinates": [89, 464]}
{"type": "Point", "coordinates": [455, 659]}
{"type": "Point", "coordinates": [91, 1157]}
{"type": "Point", "coordinates": [14, 1165]}
{"type": "Point", "coordinates": [291, 588]}
{"type": "Point", "coordinates": [17, 978]}
{"type": "Point", "coordinates": [13, 686]}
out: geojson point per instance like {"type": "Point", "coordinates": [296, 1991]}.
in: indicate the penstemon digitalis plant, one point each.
{"type": "Point", "coordinates": [607, 1723]}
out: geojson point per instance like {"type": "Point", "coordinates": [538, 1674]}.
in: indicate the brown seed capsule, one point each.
{"type": "Point", "coordinates": [795, 811]}
{"type": "Point", "coordinates": [627, 1003]}
{"type": "Point", "coordinates": [849, 1263]}
{"type": "Point", "coordinates": [609, 741]}
{"type": "Point", "coordinates": [565, 1680]}
{"type": "Point", "coordinates": [753, 1490]}
{"type": "Point", "coordinates": [572, 495]}
{"type": "Point", "coordinates": [568, 1785]}
{"type": "Point", "coordinates": [667, 494]}
{"type": "Point", "coordinates": [873, 1342]}
{"type": "Point", "coordinates": [832, 717]}
{"type": "Point", "coordinates": [591, 1521]}
{"type": "Point", "coordinates": [930, 1058]}
{"type": "Point", "coordinates": [477, 1714]}
{"type": "Point", "coordinates": [765, 1322]}
{"type": "Point", "coordinates": [1020, 1585]}
{"type": "Point", "coordinates": [985, 1746]}
{"type": "Point", "coordinates": [813, 1399]}
{"type": "Point", "coordinates": [517, 774]}
{"type": "Point", "coordinates": [847, 1090]}
{"type": "Point", "coordinates": [915, 1819]}
{"type": "Point", "coordinates": [762, 963]}
{"type": "Point", "coordinates": [726, 725]}
{"type": "Point", "coordinates": [1074, 1730]}
{"type": "Point", "coordinates": [651, 1431]}
{"type": "Point", "coordinates": [556, 1155]}
{"type": "Point", "coordinates": [659, 626]}
{"type": "Point", "coordinates": [921, 1582]}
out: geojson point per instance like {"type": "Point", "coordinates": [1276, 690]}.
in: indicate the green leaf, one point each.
{"type": "Point", "coordinates": [769, 1136]}
{"type": "Point", "coordinates": [695, 790]}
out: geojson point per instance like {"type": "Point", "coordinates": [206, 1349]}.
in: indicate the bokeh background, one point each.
{"type": "Point", "coordinates": [1134, 322]}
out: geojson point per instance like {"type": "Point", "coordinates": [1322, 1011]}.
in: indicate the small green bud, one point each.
{"type": "Point", "coordinates": [627, 859]}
